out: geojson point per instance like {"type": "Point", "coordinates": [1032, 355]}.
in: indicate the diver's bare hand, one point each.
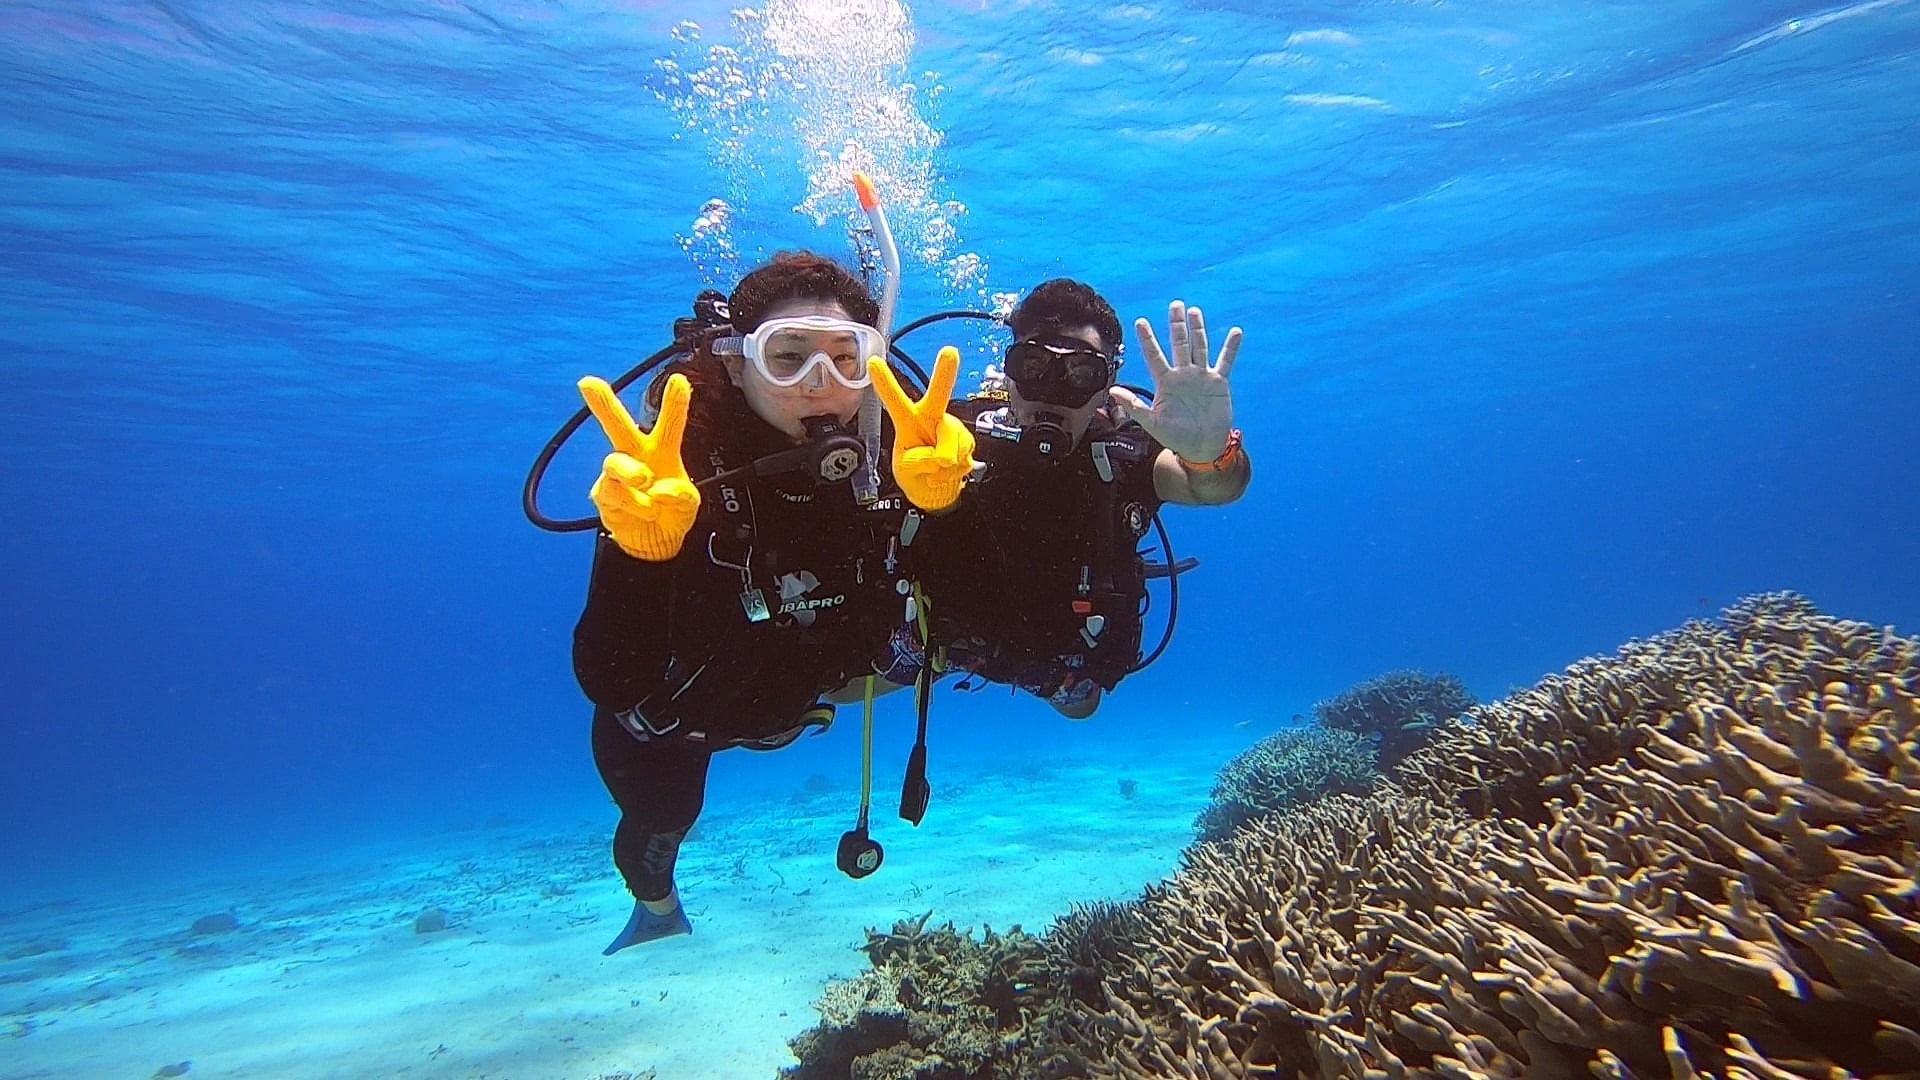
{"type": "Point", "coordinates": [1192, 409]}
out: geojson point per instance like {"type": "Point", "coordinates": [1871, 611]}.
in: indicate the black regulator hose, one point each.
{"type": "Point", "coordinates": [1174, 570]}
{"type": "Point", "coordinates": [530, 494]}
{"type": "Point", "coordinates": [907, 361]}
{"type": "Point", "coordinates": [929, 320]}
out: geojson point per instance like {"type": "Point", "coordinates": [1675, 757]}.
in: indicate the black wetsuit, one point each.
{"type": "Point", "coordinates": [1035, 579]}
{"type": "Point", "coordinates": [781, 592]}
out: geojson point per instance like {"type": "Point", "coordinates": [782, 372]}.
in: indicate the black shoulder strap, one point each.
{"type": "Point", "coordinates": [1120, 451]}
{"type": "Point", "coordinates": [1122, 460]}
{"type": "Point", "coordinates": [731, 540]}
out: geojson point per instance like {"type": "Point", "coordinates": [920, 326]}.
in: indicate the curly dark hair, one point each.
{"type": "Point", "coordinates": [1064, 303]}
{"type": "Point", "coordinates": [791, 275]}
{"type": "Point", "coordinates": [788, 275]}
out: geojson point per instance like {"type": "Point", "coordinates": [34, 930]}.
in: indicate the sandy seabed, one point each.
{"type": "Point", "coordinates": [327, 974]}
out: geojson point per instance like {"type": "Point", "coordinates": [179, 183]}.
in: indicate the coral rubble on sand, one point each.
{"type": "Point", "coordinates": [1694, 858]}
{"type": "Point", "coordinates": [936, 1003]}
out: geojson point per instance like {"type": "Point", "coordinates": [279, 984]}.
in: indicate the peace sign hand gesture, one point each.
{"type": "Point", "coordinates": [646, 500]}
{"type": "Point", "coordinates": [932, 450]}
{"type": "Point", "coordinates": [1192, 410]}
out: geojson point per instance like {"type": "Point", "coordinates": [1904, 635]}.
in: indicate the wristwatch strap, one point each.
{"type": "Point", "coordinates": [1225, 459]}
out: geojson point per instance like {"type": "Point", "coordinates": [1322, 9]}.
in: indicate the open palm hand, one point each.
{"type": "Point", "coordinates": [1192, 409]}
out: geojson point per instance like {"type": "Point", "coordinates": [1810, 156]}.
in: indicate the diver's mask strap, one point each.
{"type": "Point", "coordinates": [710, 313]}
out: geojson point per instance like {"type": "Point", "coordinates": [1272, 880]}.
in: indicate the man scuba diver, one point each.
{"type": "Point", "coordinates": [1035, 578]}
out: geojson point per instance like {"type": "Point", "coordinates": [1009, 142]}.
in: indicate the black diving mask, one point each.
{"type": "Point", "coordinates": [1065, 371]}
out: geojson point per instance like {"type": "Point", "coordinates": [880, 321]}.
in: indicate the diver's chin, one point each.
{"type": "Point", "coordinates": [1029, 414]}
{"type": "Point", "coordinates": [1028, 411]}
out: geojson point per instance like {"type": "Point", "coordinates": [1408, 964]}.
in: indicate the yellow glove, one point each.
{"type": "Point", "coordinates": [646, 501]}
{"type": "Point", "coordinates": [932, 452]}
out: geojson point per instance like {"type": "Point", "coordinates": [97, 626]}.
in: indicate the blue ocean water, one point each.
{"type": "Point", "coordinates": [1564, 323]}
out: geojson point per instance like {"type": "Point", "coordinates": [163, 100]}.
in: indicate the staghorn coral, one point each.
{"type": "Point", "coordinates": [1399, 710]}
{"type": "Point", "coordinates": [1285, 769]}
{"type": "Point", "coordinates": [1696, 858]}
{"type": "Point", "coordinates": [1088, 941]}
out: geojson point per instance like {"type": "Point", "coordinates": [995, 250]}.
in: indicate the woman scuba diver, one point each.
{"type": "Point", "coordinates": [748, 558]}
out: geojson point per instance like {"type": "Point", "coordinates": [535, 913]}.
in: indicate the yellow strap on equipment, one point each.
{"type": "Point", "coordinates": [866, 750]}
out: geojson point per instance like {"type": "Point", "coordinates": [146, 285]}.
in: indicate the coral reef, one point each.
{"type": "Point", "coordinates": [1399, 710]}
{"type": "Point", "coordinates": [1286, 769]}
{"type": "Point", "coordinates": [1697, 858]}
{"type": "Point", "coordinates": [937, 1005]}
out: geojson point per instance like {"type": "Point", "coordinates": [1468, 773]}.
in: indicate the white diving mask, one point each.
{"type": "Point", "coordinates": [786, 352]}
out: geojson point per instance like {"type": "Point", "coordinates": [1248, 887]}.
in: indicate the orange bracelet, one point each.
{"type": "Point", "coordinates": [1225, 459]}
